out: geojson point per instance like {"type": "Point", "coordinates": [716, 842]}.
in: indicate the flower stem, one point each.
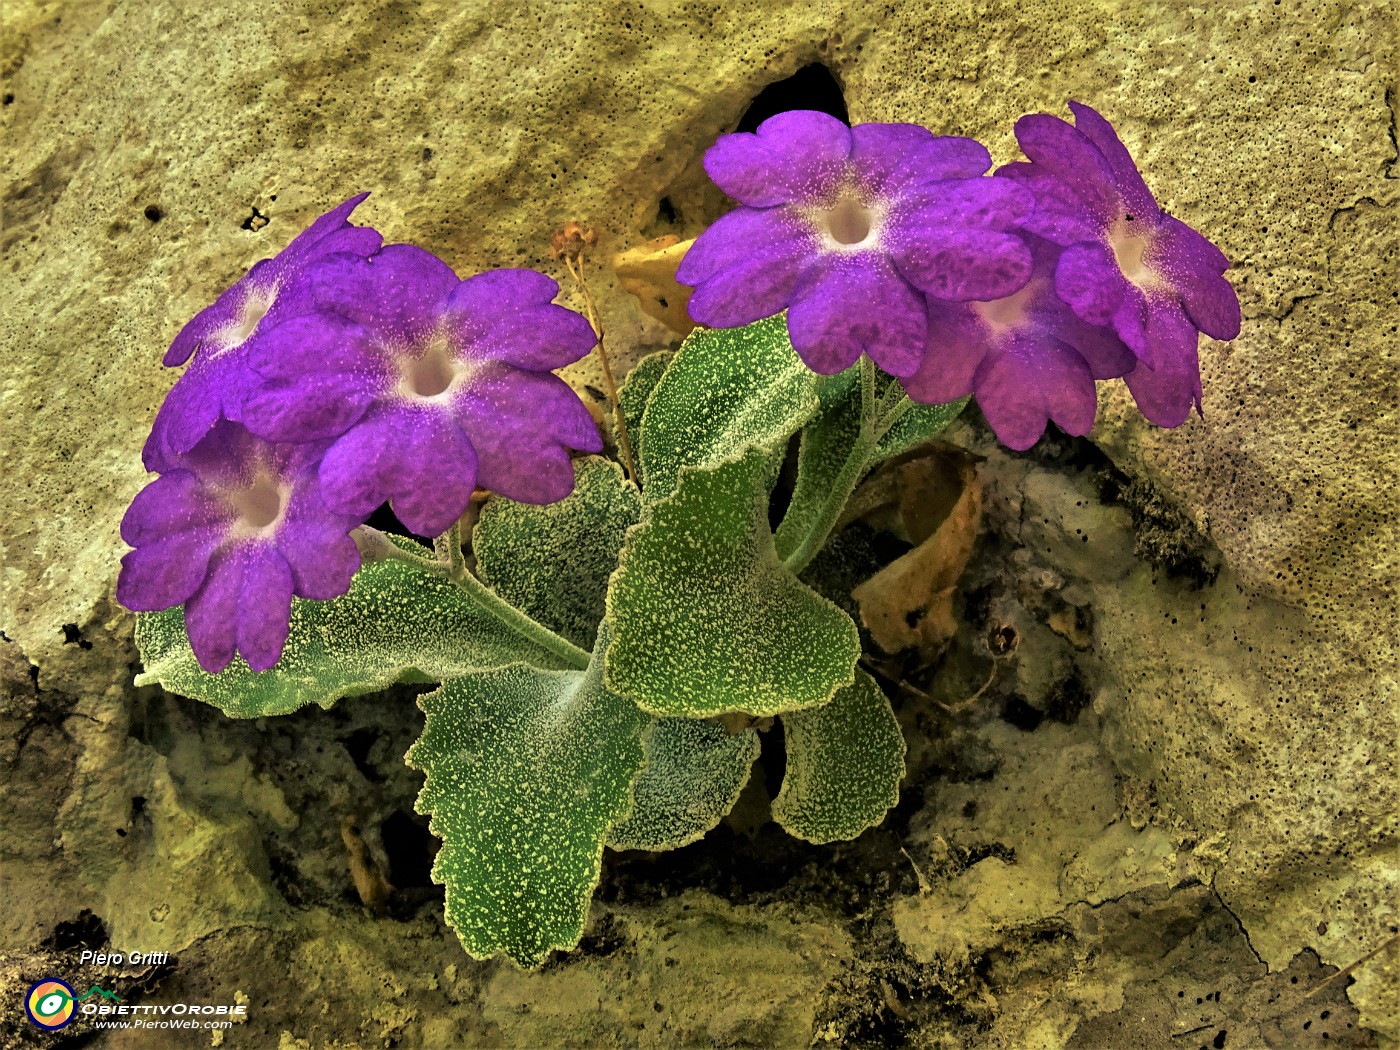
{"type": "Point", "coordinates": [845, 481]}
{"type": "Point", "coordinates": [623, 441]}
{"type": "Point", "coordinates": [454, 567]}
{"type": "Point", "coordinates": [890, 414]}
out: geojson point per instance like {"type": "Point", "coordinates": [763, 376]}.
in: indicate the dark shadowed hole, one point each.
{"type": "Point", "coordinates": [811, 87]}
{"type": "Point", "coordinates": [86, 931]}
{"type": "Point", "coordinates": [773, 758]}
{"type": "Point", "coordinates": [73, 636]}
{"type": "Point", "coordinates": [409, 847]}
{"type": "Point", "coordinates": [153, 213]}
{"type": "Point", "coordinates": [385, 520]}
{"type": "Point", "coordinates": [1021, 714]}
{"type": "Point", "coordinates": [358, 744]}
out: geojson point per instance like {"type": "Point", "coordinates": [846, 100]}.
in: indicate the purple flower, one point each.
{"type": "Point", "coordinates": [427, 385]}
{"type": "Point", "coordinates": [232, 532]}
{"type": "Point", "coordinates": [220, 335]}
{"type": "Point", "coordinates": [1126, 262]}
{"type": "Point", "coordinates": [849, 229]}
{"type": "Point", "coordinates": [1026, 358]}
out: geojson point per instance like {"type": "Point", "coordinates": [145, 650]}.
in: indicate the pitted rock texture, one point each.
{"type": "Point", "coordinates": [154, 152]}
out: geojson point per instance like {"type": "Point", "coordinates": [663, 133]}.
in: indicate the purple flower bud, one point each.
{"type": "Point", "coordinates": [220, 335]}
{"type": "Point", "coordinates": [849, 229]}
{"type": "Point", "coordinates": [232, 531]}
{"type": "Point", "coordinates": [1126, 263]}
{"type": "Point", "coordinates": [426, 386]}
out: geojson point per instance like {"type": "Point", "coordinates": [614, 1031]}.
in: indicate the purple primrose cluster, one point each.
{"type": "Point", "coordinates": [343, 374]}
{"type": "Point", "coordinates": [338, 376]}
{"type": "Point", "coordinates": [1021, 289]}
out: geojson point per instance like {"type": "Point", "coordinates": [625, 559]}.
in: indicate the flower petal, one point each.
{"type": "Point", "coordinates": [222, 313]}
{"type": "Point", "coordinates": [398, 291]}
{"type": "Point", "coordinates": [1065, 152]}
{"type": "Point", "coordinates": [1212, 305]}
{"type": "Point", "coordinates": [1087, 278]}
{"type": "Point", "coordinates": [1157, 330]}
{"type": "Point", "coordinates": [1183, 251]}
{"type": "Point", "coordinates": [1033, 380]}
{"type": "Point", "coordinates": [1059, 214]}
{"type": "Point", "coordinates": [507, 315]}
{"type": "Point", "coordinates": [1167, 395]}
{"type": "Point", "coordinates": [1194, 266]}
{"type": "Point", "coordinates": [417, 458]}
{"type": "Point", "coordinates": [959, 263]}
{"type": "Point", "coordinates": [309, 408]}
{"type": "Point", "coordinates": [194, 405]}
{"type": "Point", "coordinates": [1131, 188]}
{"type": "Point", "coordinates": [520, 424]}
{"type": "Point", "coordinates": [171, 504]}
{"type": "Point", "coordinates": [743, 281]}
{"type": "Point", "coordinates": [956, 344]}
{"type": "Point", "coordinates": [737, 238]}
{"type": "Point", "coordinates": [264, 605]}
{"type": "Point", "coordinates": [211, 615]}
{"type": "Point", "coordinates": [795, 156]}
{"type": "Point", "coordinates": [320, 342]}
{"type": "Point", "coordinates": [994, 203]}
{"type": "Point", "coordinates": [164, 573]}
{"type": "Point", "coordinates": [855, 303]}
{"type": "Point", "coordinates": [333, 221]}
{"type": "Point", "coordinates": [889, 158]}
{"type": "Point", "coordinates": [322, 557]}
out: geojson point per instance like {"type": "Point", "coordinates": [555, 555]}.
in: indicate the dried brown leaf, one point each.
{"type": "Point", "coordinates": [935, 502]}
{"type": "Point", "coordinates": [649, 273]}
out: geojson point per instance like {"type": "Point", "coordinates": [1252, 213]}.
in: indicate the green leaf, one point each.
{"type": "Point", "coordinates": [636, 392]}
{"type": "Point", "coordinates": [726, 390]}
{"type": "Point", "coordinates": [553, 561]}
{"type": "Point", "coordinates": [693, 776]}
{"type": "Point", "coordinates": [844, 764]}
{"type": "Point", "coordinates": [707, 620]}
{"type": "Point", "coordinates": [396, 624]}
{"type": "Point", "coordinates": [526, 771]}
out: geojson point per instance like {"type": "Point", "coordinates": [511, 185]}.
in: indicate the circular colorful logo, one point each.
{"type": "Point", "coordinates": [49, 1003]}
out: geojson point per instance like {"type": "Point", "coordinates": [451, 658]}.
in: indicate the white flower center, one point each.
{"type": "Point", "coordinates": [1132, 249]}
{"type": "Point", "coordinates": [848, 224]}
{"type": "Point", "coordinates": [1008, 312]}
{"type": "Point", "coordinates": [259, 505]}
{"type": "Point", "coordinates": [256, 304]}
{"type": "Point", "coordinates": [431, 373]}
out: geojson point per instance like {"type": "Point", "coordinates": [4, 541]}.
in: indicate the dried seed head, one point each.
{"type": "Point", "coordinates": [572, 240]}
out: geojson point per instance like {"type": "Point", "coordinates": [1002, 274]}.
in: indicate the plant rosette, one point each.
{"type": "Point", "coordinates": [608, 640]}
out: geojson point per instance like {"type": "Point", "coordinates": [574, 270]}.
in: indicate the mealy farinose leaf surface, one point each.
{"type": "Point", "coordinates": [397, 623]}
{"type": "Point", "coordinates": [636, 391]}
{"type": "Point", "coordinates": [726, 390]}
{"type": "Point", "coordinates": [916, 426]}
{"type": "Point", "coordinates": [705, 618]}
{"type": "Point", "coordinates": [844, 764]}
{"type": "Point", "coordinates": [694, 773]}
{"type": "Point", "coordinates": [553, 561]}
{"type": "Point", "coordinates": [526, 771]}
{"type": "Point", "coordinates": [827, 440]}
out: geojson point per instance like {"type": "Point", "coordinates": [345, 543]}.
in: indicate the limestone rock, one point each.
{"type": "Point", "coordinates": [153, 152]}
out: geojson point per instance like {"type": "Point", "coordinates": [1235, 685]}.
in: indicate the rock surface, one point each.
{"type": "Point", "coordinates": [1243, 602]}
